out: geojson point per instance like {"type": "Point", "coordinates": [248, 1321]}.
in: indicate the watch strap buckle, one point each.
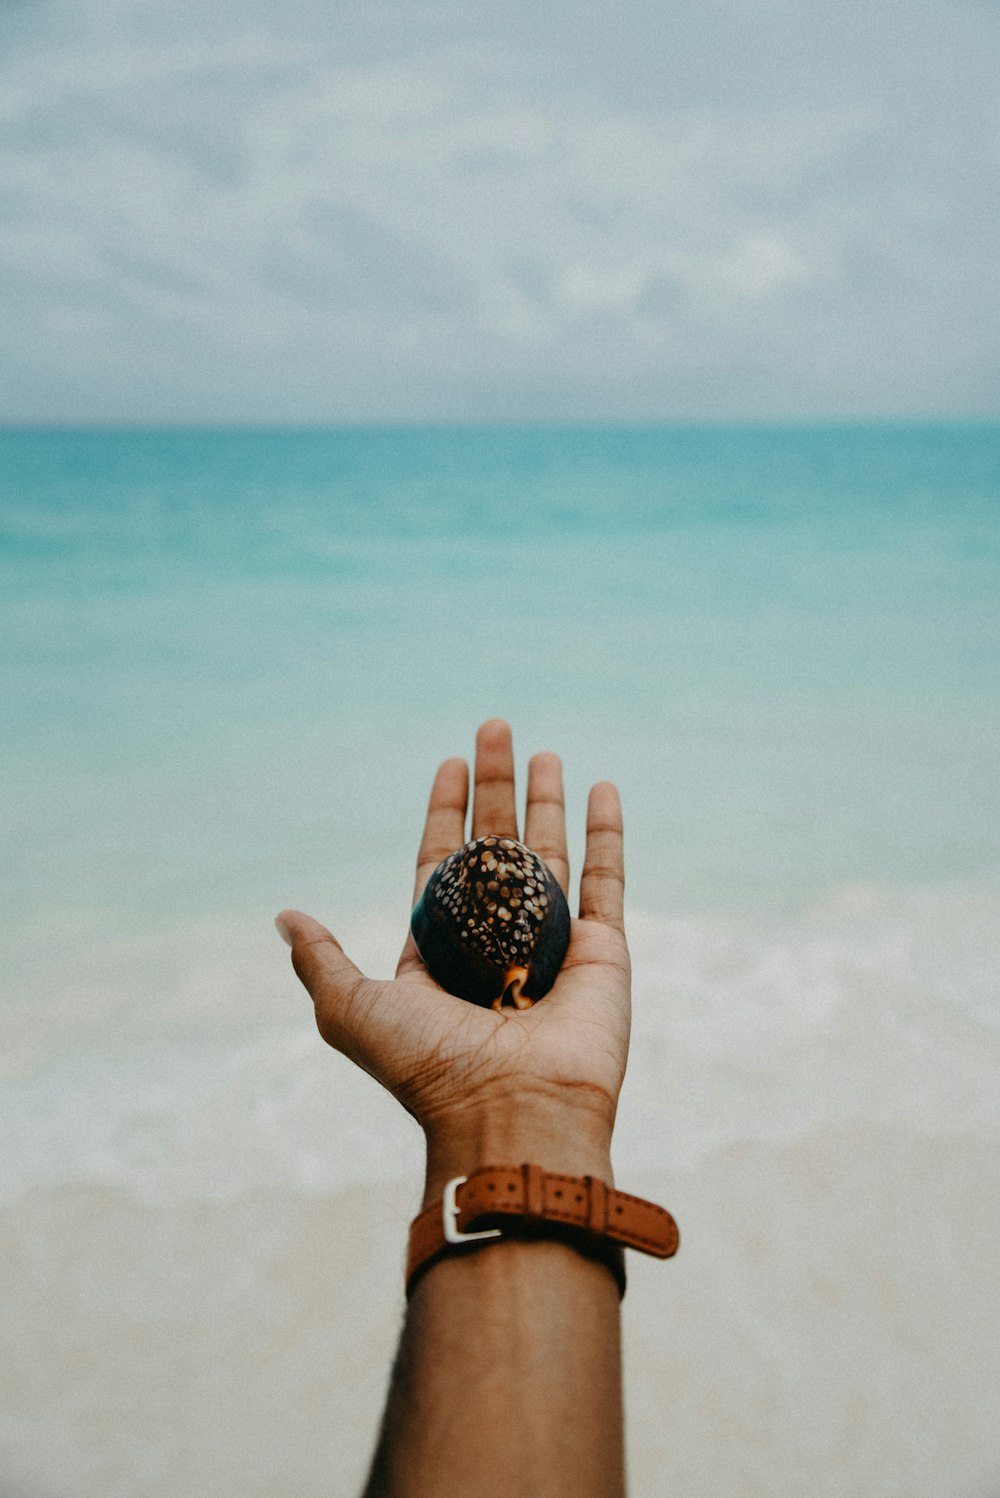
{"type": "Point", "coordinates": [451, 1211]}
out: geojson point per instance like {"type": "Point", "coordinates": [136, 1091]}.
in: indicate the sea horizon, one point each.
{"type": "Point", "coordinates": [115, 425]}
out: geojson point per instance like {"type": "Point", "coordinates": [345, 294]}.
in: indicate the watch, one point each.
{"type": "Point", "coordinates": [525, 1201]}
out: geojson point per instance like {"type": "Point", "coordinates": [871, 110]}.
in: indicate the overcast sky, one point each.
{"type": "Point", "coordinates": [648, 209]}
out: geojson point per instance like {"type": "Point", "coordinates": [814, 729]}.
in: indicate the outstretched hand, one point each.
{"type": "Point", "coordinates": [467, 1072]}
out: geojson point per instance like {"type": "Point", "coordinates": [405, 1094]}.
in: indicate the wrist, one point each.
{"type": "Point", "coordinates": [569, 1137]}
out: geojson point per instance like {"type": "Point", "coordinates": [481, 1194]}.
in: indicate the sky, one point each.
{"type": "Point", "coordinates": [639, 210]}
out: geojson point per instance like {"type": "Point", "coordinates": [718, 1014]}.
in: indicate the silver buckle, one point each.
{"type": "Point", "coordinates": [450, 1212]}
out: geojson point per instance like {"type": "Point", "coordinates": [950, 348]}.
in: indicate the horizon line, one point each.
{"type": "Point", "coordinates": [375, 424]}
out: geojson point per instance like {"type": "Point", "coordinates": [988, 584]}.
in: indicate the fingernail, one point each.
{"type": "Point", "coordinates": [282, 930]}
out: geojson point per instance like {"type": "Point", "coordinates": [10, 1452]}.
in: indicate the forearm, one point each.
{"type": "Point", "coordinates": [508, 1376]}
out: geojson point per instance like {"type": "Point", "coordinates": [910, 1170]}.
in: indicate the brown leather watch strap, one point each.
{"type": "Point", "coordinates": [507, 1199]}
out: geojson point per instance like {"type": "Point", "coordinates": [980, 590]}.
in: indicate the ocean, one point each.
{"type": "Point", "coordinates": [229, 664]}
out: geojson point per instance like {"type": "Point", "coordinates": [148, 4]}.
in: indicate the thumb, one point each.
{"type": "Point", "coordinates": [324, 969]}
{"type": "Point", "coordinates": [373, 1024]}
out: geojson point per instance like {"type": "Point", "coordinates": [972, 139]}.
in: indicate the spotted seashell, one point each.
{"type": "Point", "coordinates": [492, 924]}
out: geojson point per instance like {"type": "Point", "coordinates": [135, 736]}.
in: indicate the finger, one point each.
{"type": "Point", "coordinates": [344, 1017]}
{"type": "Point", "coordinates": [317, 956]}
{"type": "Point", "coordinates": [494, 810]}
{"type": "Point", "coordinates": [367, 1021]}
{"type": "Point", "coordinates": [602, 883]}
{"type": "Point", "coordinates": [444, 828]}
{"type": "Point", "coordinates": [545, 816]}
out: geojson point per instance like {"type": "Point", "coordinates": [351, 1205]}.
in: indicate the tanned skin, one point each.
{"type": "Point", "coordinates": [508, 1375]}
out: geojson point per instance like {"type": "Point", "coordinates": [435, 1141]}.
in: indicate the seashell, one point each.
{"type": "Point", "coordinates": [492, 924]}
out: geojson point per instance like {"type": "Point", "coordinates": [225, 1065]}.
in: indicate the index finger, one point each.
{"type": "Point", "coordinates": [444, 827]}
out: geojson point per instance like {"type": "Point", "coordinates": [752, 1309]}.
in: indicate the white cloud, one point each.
{"type": "Point", "coordinates": [759, 263]}
{"type": "Point", "coordinates": [47, 80]}
{"type": "Point", "coordinates": [590, 287]}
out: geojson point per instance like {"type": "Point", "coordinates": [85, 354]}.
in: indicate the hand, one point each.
{"type": "Point", "coordinates": [488, 1086]}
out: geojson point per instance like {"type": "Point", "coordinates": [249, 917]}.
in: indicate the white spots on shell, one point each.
{"type": "Point", "coordinates": [494, 891]}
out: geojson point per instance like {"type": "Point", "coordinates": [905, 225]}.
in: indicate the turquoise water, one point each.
{"type": "Point", "coordinates": [231, 660]}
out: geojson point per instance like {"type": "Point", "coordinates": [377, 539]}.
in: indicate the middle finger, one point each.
{"type": "Point", "coordinates": [494, 810]}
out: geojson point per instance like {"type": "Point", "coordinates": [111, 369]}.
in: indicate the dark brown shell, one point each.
{"type": "Point", "coordinates": [492, 920]}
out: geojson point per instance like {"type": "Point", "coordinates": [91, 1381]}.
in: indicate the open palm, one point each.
{"type": "Point", "coordinates": [441, 1056]}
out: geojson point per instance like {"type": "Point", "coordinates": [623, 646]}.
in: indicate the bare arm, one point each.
{"type": "Point", "coordinates": [508, 1375]}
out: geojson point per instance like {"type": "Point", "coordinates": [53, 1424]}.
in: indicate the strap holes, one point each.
{"type": "Point", "coordinates": [510, 1185]}
{"type": "Point", "coordinates": [618, 1210]}
{"type": "Point", "coordinates": [559, 1193]}
{"type": "Point", "coordinates": [490, 1187]}
{"type": "Point", "coordinates": [579, 1197]}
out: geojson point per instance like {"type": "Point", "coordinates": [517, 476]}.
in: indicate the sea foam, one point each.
{"type": "Point", "coordinates": [875, 1008]}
